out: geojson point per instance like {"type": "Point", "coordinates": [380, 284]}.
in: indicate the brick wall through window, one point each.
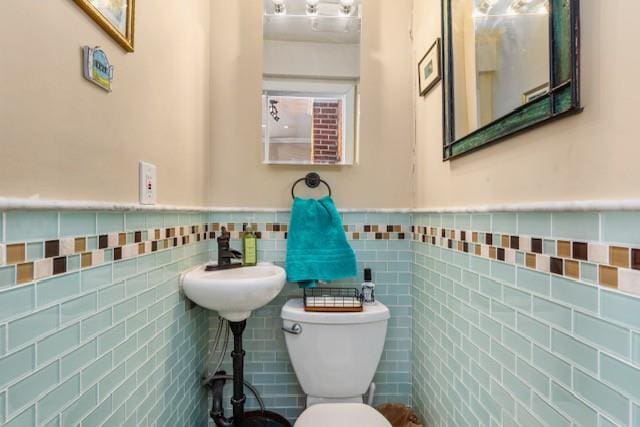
{"type": "Point", "coordinates": [327, 130]}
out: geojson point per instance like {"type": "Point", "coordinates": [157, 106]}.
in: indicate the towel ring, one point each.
{"type": "Point", "coordinates": [312, 180]}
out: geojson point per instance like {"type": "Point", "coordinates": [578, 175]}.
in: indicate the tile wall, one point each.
{"type": "Point", "coordinates": [526, 319]}
{"type": "Point", "coordinates": [382, 243]}
{"type": "Point", "coordinates": [93, 329]}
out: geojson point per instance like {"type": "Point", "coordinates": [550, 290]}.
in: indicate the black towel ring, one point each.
{"type": "Point", "coordinates": [312, 180]}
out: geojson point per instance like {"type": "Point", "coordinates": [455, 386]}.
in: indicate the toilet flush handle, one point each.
{"type": "Point", "coordinates": [295, 329]}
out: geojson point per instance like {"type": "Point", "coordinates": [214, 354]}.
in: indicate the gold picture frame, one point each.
{"type": "Point", "coordinates": [109, 17]}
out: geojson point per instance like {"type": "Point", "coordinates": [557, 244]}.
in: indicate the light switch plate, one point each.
{"type": "Point", "coordinates": [148, 183]}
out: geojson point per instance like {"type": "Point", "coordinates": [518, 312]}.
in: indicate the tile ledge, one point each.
{"type": "Point", "coordinates": [88, 205]}
{"type": "Point", "coordinates": [561, 206]}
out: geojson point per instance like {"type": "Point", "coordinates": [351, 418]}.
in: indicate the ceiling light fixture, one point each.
{"type": "Point", "coordinates": [279, 7]}
{"type": "Point", "coordinates": [312, 7]}
{"type": "Point", "coordinates": [345, 7]}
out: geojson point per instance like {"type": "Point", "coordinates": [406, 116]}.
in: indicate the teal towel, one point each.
{"type": "Point", "coordinates": [317, 247]}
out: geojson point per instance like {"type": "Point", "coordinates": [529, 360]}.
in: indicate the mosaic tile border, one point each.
{"type": "Point", "coordinates": [43, 259]}
{"type": "Point", "coordinates": [609, 265]}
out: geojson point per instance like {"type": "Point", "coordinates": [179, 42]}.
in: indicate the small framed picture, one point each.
{"type": "Point", "coordinates": [535, 93]}
{"type": "Point", "coordinates": [430, 69]}
{"type": "Point", "coordinates": [116, 17]}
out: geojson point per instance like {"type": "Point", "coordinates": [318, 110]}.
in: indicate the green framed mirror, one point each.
{"type": "Point", "coordinates": [508, 66]}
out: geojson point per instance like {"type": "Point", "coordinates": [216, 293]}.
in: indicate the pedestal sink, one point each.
{"type": "Point", "coordinates": [234, 293]}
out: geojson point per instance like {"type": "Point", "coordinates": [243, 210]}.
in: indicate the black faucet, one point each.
{"type": "Point", "coordinates": [225, 253]}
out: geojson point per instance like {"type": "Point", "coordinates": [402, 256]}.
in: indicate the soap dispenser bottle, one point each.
{"type": "Point", "coordinates": [368, 294]}
{"type": "Point", "coordinates": [249, 248]}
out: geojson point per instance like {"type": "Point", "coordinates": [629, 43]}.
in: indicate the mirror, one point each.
{"type": "Point", "coordinates": [311, 72]}
{"type": "Point", "coordinates": [509, 65]}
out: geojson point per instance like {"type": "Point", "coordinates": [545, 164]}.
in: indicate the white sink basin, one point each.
{"type": "Point", "coordinates": [236, 292]}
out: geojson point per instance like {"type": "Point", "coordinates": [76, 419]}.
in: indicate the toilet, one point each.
{"type": "Point", "coordinates": [335, 356]}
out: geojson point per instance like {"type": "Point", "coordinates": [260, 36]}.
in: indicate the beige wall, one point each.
{"type": "Point", "coordinates": [63, 138]}
{"type": "Point", "coordinates": [383, 177]}
{"type": "Point", "coordinates": [590, 156]}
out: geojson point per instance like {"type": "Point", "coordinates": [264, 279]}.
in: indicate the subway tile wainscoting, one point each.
{"type": "Point", "coordinates": [516, 319]}
{"type": "Point", "coordinates": [497, 319]}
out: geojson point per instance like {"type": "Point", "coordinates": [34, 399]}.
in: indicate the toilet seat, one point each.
{"type": "Point", "coordinates": [341, 415]}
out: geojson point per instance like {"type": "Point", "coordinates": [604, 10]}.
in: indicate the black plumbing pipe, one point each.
{"type": "Point", "coordinates": [239, 398]}
{"type": "Point", "coordinates": [217, 408]}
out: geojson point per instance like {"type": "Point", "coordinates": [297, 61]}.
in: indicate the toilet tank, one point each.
{"type": "Point", "coordinates": [335, 355]}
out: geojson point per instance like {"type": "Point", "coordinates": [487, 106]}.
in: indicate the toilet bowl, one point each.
{"type": "Point", "coordinates": [341, 415]}
{"type": "Point", "coordinates": [335, 356]}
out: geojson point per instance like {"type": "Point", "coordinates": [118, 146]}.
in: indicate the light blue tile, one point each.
{"type": "Point", "coordinates": [556, 314]}
{"type": "Point", "coordinates": [462, 221]}
{"type": "Point", "coordinates": [96, 324]}
{"type": "Point", "coordinates": [537, 224]}
{"type": "Point", "coordinates": [54, 345]}
{"type": "Point", "coordinates": [25, 226]}
{"type": "Point", "coordinates": [123, 269]}
{"type": "Point", "coordinates": [110, 295]}
{"type": "Point", "coordinates": [136, 221]}
{"type": "Point", "coordinates": [621, 308]}
{"type": "Point", "coordinates": [534, 281]}
{"type": "Point", "coordinates": [621, 375]}
{"type": "Point", "coordinates": [35, 250]}
{"type": "Point", "coordinates": [604, 334]}
{"type": "Point", "coordinates": [533, 329]}
{"type": "Point", "coordinates": [3, 337]}
{"type": "Point", "coordinates": [58, 288]}
{"type": "Point", "coordinates": [533, 376]}
{"type": "Point", "coordinates": [549, 247]}
{"type": "Point", "coordinates": [519, 389]}
{"type": "Point", "coordinates": [109, 222]}
{"type": "Point", "coordinates": [75, 224]}
{"type": "Point", "coordinates": [503, 272]}
{"type": "Point", "coordinates": [515, 298]}
{"type": "Point", "coordinates": [479, 265]}
{"type": "Point", "coordinates": [2, 402]}
{"type": "Point", "coordinates": [505, 223]}
{"type": "Point", "coordinates": [25, 419]}
{"type": "Point", "coordinates": [503, 313]}
{"type": "Point", "coordinates": [28, 328]}
{"type": "Point", "coordinates": [575, 225]}
{"type": "Point", "coordinates": [155, 220]}
{"type": "Point", "coordinates": [481, 222]}
{"type": "Point", "coordinates": [588, 272]}
{"type": "Point", "coordinates": [17, 364]}
{"type": "Point", "coordinates": [78, 358]}
{"type": "Point", "coordinates": [621, 227]}
{"type": "Point", "coordinates": [97, 277]}
{"type": "Point", "coordinates": [110, 338]}
{"type": "Point", "coordinates": [80, 408]}
{"type": "Point", "coordinates": [635, 348]}
{"type": "Point", "coordinates": [636, 416]}
{"type": "Point", "coordinates": [574, 350]}
{"type": "Point", "coordinates": [448, 221]}
{"type": "Point", "coordinates": [73, 263]}
{"type": "Point", "coordinates": [27, 390]}
{"type": "Point", "coordinates": [514, 342]}
{"type": "Point", "coordinates": [78, 308]}
{"type": "Point", "coordinates": [601, 396]}
{"type": "Point", "coordinates": [567, 402]}
{"type": "Point", "coordinates": [552, 365]}
{"type": "Point", "coordinates": [575, 293]}
{"type": "Point", "coordinates": [7, 277]}
{"type": "Point", "coordinates": [58, 398]}
{"type": "Point", "coordinates": [547, 413]}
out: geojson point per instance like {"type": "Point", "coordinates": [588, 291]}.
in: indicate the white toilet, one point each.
{"type": "Point", "coordinates": [335, 356]}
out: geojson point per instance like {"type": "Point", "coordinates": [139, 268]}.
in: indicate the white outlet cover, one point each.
{"type": "Point", "coordinates": [148, 184]}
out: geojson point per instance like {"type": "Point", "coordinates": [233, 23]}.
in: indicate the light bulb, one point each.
{"type": "Point", "coordinates": [279, 7]}
{"type": "Point", "coordinates": [312, 7]}
{"type": "Point", "coordinates": [345, 7]}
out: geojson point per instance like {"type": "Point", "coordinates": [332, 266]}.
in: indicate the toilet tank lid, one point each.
{"type": "Point", "coordinates": [294, 310]}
